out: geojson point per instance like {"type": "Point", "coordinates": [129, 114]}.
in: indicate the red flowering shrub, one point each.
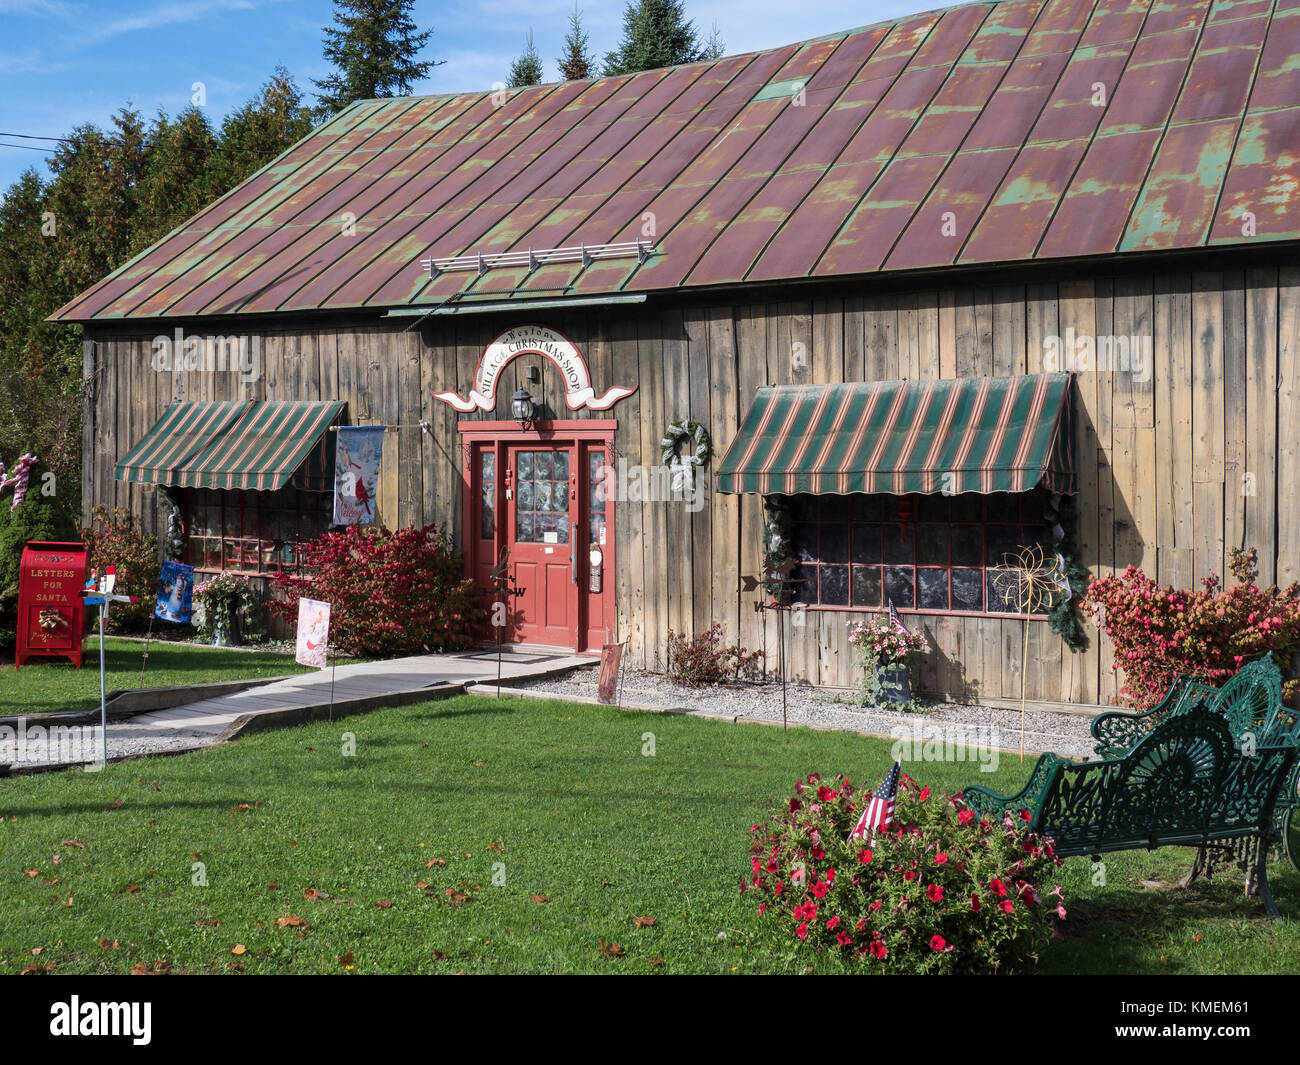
{"type": "Point", "coordinates": [696, 661]}
{"type": "Point", "coordinates": [390, 593]}
{"type": "Point", "coordinates": [1161, 632]}
{"type": "Point", "coordinates": [943, 891]}
{"type": "Point", "coordinates": [112, 539]}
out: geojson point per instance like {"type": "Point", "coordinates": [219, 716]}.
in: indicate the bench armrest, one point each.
{"type": "Point", "coordinates": [987, 803]}
{"type": "Point", "coordinates": [1118, 730]}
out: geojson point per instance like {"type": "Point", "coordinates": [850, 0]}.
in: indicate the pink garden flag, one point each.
{"type": "Point", "coordinates": [313, 632]}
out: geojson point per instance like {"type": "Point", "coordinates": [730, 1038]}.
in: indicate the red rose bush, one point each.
{"type": "Point", "coordinates": [942, 891]}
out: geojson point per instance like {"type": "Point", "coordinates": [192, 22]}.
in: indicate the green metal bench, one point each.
{"type": "Point", "coordinates": [1186, 782]}
{"type": "Point", "coordinates": [1251, 702]}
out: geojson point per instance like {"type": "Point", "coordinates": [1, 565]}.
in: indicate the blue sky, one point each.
{"type": "Point", "coordinates": [65, 62]}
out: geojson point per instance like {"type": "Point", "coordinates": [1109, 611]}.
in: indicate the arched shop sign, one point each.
{"type": "Point", "coordinates": [533, 340]}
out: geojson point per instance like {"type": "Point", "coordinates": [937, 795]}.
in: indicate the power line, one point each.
{"type": "Point", "coordinates": [29, 147]}
{"type": "Point", "coordinates": [143, 144]}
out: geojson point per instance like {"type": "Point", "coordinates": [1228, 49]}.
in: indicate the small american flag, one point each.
{"type": "Point", "coordinates": [880, 810]}
{"type": "Point", "coordinates": [894, 620]}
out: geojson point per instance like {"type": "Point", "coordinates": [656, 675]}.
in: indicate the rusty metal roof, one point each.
{"type": "Point", "coordinates": [985, 133]}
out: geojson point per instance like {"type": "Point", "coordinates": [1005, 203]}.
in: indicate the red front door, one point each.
{"type": "Point", "coordinates": [541, 508]}
{"type": "Point", "coordinates": [538, 500]}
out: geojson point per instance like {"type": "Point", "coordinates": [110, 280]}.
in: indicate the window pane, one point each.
{"type": "Point", "coordinates": [488, 523]}
{"type": "Point", "coordinates": [560, 466]}
{"type": "Point", "coordinates": [967, 545]}
{"type": "Point", "coordinates": [524, 496]}
{"type": "Point", "coordinates": [967, 589]}
{"type": "Point", "coordinates": [862, 508]}
{"type": "Point", "coordinates": [932, 545]}
{"type": "Point", "coordinates": [932, 507]}
{"type": "Point", "coordinates": [899, 543]}
{"type": "Point", "coordinates": [524, 463]}
{"type": "Point", "coordinates": [834, 585]}
{"type": "Point", "coordinates": [541, 495]}
{"type": "Point", "coordinates": [1002, 602]}
{"type": "Point", "coordinates": [805, 543]}
{"type": "Point", "coordinates": [805, 591]}
{"type": "Point", "coordinates": [561, 525]}
{"type": "Point", "coordinates": [541, 465]}
{"type": "Point", "coordinates": [524, 527]}
{"type": "Point", "coordinates": [1000, 541]}
{"type": "Point", "coordinates": [489, 465]}
{"type": "Point", "coordinates": [866, 586]}
{"type": "Point", "coordinates": [932, 589]}
{"type": "Point", "coordinates": [966, 507]}
{"type": "Point", "coordinates": [866, 543]}
{"type": "Point", "coordinates": [835, 543]}
{"type": "Point", "coordinates": [597, 488]}
{"type": "Point", "coordinates": [898, 585]}
{"type": "Point", "coordinates": [559, 495]}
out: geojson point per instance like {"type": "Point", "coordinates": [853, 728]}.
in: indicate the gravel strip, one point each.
{"type": "Point", "coordinates": [979, 726]}
{"type": "Point", "coordinates": [82, 743]}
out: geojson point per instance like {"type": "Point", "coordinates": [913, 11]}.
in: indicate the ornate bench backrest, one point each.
{"type": "Point", "coordinates": [1250, 698]}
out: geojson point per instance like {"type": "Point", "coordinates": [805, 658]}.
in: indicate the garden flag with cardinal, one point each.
{"type": "Point", "coordinates": [358, 450]}
{"type": "Point", "coordinates": [313, 632]}
{"type": "Point", "coordinates": [879, 813]}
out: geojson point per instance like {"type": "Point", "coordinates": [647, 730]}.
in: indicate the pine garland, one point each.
{"type": "Point", "coordinates": [1063, 616]}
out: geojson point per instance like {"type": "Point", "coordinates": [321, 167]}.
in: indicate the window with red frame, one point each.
{"type": "Point", "coordinates": [925, 552]}
{"type": "Point", "coordinates": [251, 532]}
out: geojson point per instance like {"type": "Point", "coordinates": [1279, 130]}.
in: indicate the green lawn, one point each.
{"type": "Point", "coordinates": [581, 831]}
{"type": "Point", "coordinates": [45, 684]}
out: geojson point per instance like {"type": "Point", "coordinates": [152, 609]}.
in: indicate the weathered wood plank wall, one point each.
{"type": "Point", "coordinates": [1175, 466]}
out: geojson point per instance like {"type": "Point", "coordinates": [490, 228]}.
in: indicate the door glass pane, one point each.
{"type": "Point", "coordinates": [542, 497]}
{"type": "Point", "coordinates": [487, 471]}
{"type": "Point", "coordinates": [597, 492]}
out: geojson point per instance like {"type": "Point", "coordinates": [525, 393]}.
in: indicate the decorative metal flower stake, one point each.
{"type": "Point", "coordinates": [1033, 580]}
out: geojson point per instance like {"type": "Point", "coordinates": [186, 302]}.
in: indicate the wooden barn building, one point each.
{"type": "Point", "coordinates": [930, 288]}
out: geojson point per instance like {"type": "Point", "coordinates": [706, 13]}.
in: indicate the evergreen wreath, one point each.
{"type": "Point", "coordinates": [686, 432]}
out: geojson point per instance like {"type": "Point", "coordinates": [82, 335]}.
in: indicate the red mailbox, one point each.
{"type": "Point", "coordinates": [51, 614]}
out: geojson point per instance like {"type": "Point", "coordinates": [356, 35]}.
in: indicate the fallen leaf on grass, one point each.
{"type": "Point", "coordinates": [239, 948]}
{"type": "Point", "coordinates": [656, 961]}
{"type": "Point", "coordinates": [65, 905]}
{"type": "Point", "coordinates": [311, 894]}
{"type": "Point", "coordinates": [291, 921]}
{"type": "Point", "coordinates": [242, 806]}
{"type": "Point", "coordinates": [116, 804]}
{"type": "Point", "coordinates": [131, 889]}
{"type": "Point", "coordinates": [206, 924]}
{"type": "Point", "coordinates": [423, 885]}
{"type": "Point", "coordinates": [72, 843]}
{"type": "Point", "coordinates": [141, 968]}
{"type": "Point", "coordinates": [1197, 937]}
{"type": "Point", "coordinates": [611, 950]}
{"type": "Point", "coordinates": [235, 966]}
{"type": "Point", "coordinates": [644, 922]}
{"type": "Point", "coordinates": [48, 882]}
{"type": "Point", "coordinates": [347, 960]}
{"type": "Point", "coordinates": [500, 848]}
{"type": "Point", "coordinates": [481, 765]}
{"type": "Point", "coordinates": [274, 887]}
{"type": "Point", "coordinates": [31, 872]}
{"type": "Point", "coordinates": [467, 855]}
{"type": "Point", "coordinates": [385, 904]}
{"type": "Point", "coordinates": [472, 887]}
{"type": "Point", "coordinates": [455, 897]}
{"type": "Point", "coordinates": [46, 968]}
{"type": "Point", "coordinates": [34, 951]}
{"type": "Point", "coordinates": [538, 899]}
{"type": "Point", "coordinates": [439, 955]}
{"type": "Point", "coordinates": [434, 861]}
{"type": "Point", "coordinates": [108, 944]}
{"type": "Point", "coordinates": [56, 859]}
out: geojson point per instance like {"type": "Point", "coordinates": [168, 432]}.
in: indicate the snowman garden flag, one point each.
{"type": "Point", "coordinates": [175, 592]}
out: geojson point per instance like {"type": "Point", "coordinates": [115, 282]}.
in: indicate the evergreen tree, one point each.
{"type": "Point", "coordinates": [271, 122]}
{"type": "Point", "coordinates": [714, 47]}
{"type": "Point", "coordinates": [374, 45]}
{"type": "Point", "coordinates": [178, 179]}
{"type": "Point", "coordinates": [656, 33]}
{"type": "Point", "coordinates": [527, 69]}
{"type": "Point", "coordinates": [575, 64]}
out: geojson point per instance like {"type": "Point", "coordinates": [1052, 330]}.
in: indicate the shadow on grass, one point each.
{"type": "Point", "coordinates": [135, 807]}
{"type": "Point", "coordinates": [449, 712]}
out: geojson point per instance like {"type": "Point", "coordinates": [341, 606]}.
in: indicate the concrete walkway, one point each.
{"type": "Point", "coordinates": [333, 692]}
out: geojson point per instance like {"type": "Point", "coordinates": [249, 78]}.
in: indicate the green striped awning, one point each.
{"type": "Point", "coordinates": [258, 446]}
{"type": "Point", "coordinates": [971, 434]}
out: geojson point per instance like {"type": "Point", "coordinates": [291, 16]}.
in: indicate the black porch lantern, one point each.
{"type": "Point", "coordinates": [523, 409]}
